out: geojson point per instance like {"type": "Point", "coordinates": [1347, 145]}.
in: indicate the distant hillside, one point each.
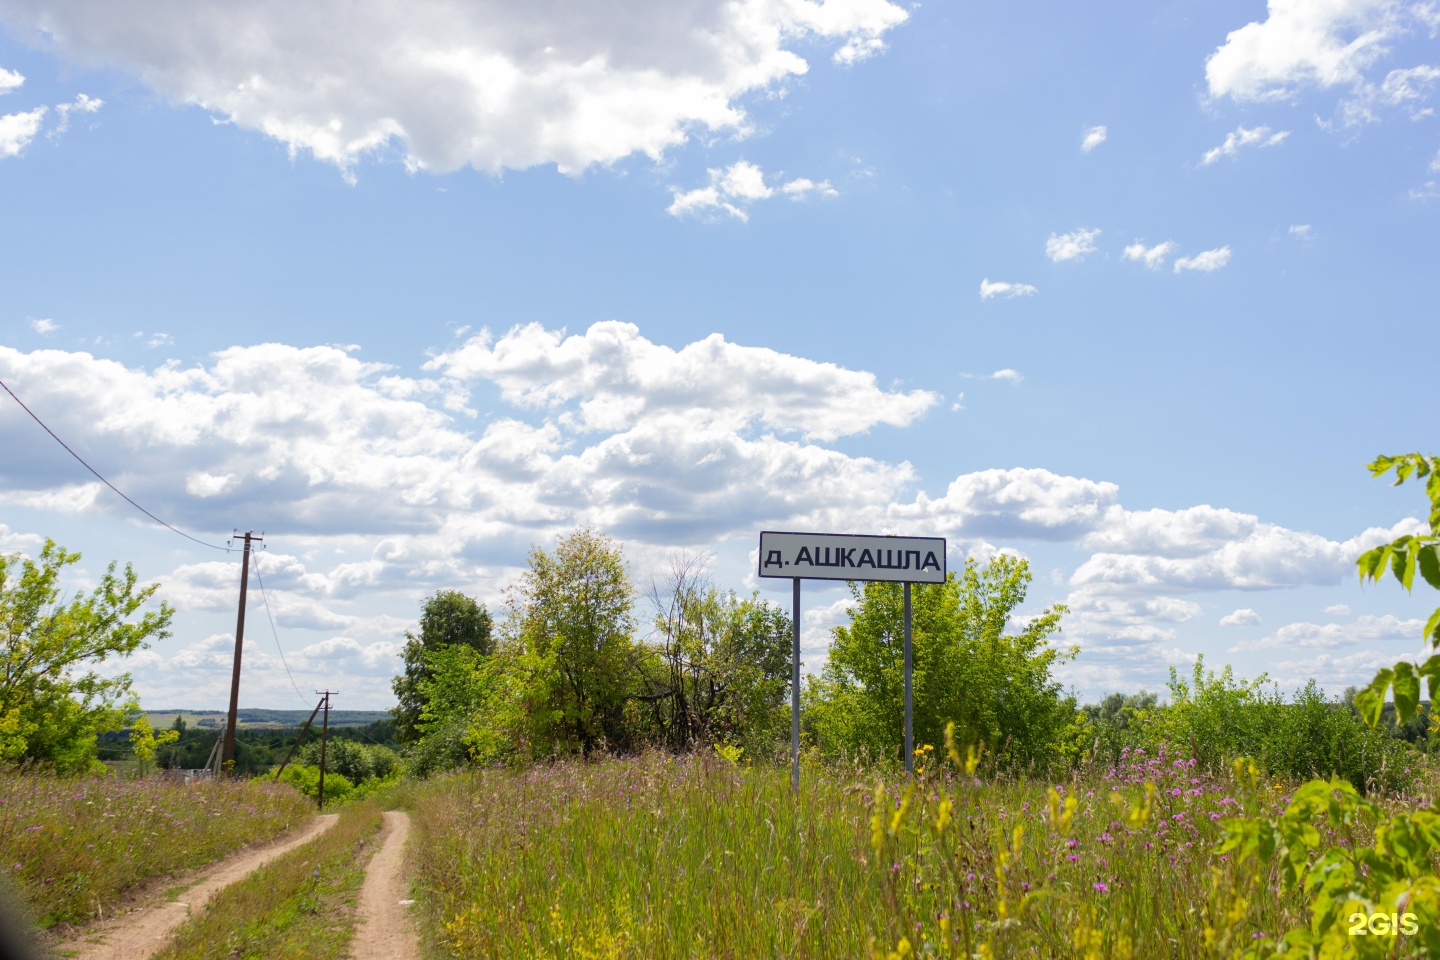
{"type": "Point", "coordinates": [254, 717]}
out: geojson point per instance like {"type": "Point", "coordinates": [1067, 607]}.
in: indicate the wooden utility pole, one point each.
{"type": "Point", "coordinates": [294, 746]}
{"type": "Point", "coordinates": [229, 756]}
{"type": "Point", "coordinates": [324, 735]}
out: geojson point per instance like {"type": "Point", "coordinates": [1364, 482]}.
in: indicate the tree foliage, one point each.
{"type": "Point", "coordinates": [722, 666]}
{"type": "Point", "coordinates": [995, 686]}
{"type": "Point", "coordinates": [53, 700]}
{"type": "Point", "coordinates": [572, 619]}
{"type": "Point", "coordinates": [1405, 557]}
{"type": "Point", "coordinates": [448, 619]}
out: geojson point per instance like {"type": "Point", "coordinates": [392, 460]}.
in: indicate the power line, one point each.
{"type": "Point", "coordinates": [102, 479]}
{"type": "Point", "coordinates": [273, 632]}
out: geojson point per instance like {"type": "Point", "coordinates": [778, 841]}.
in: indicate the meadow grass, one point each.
{"type": "Point", "coordinates": [300, 905]}
{"type": "Point", "coordinates": [660, 856]}
{"type": "Point", "coordinates": [74, 846]}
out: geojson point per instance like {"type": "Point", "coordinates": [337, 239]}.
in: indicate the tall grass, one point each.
{"type": "Point", "coordinates": [72, 846]}
{"type": "Point", "coordinates": [692, 857]}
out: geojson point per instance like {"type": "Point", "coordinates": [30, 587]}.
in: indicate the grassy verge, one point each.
{"type": "Point", "coordinates": [691, 858]}
{"type": "Point", "coordinates": [73, 846]}
{"type": "Point", "coordinates": [301, 905]}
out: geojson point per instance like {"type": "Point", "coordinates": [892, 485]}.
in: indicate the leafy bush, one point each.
{"type": "Point", "coordinates": [352, 760]}
{"type": "Point", "coordinates": [995, 686]}
{"type": "Point", "coordinates": [306, 779]}
{"type": "Point", "coordinates": [1216, 718]}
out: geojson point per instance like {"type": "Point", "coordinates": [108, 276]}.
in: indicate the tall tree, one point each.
{"type": "Point", "coordinates": [449, 618]}
{"type": "Point", "coordinates": [53, 700]}
{"type": "Point", "coordinates": [726, 662]}
{"type": "Point", "coordinates": [571, 614]}
{"type": "Point", "coordinates": [995, 686]}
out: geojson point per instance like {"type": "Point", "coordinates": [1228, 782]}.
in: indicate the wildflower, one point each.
{"type": "Point", "coordinates": [1100, 887]}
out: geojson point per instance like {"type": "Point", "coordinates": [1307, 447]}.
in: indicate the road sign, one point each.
{"type": "Point", "coordinates": [848, 556]}
{"type": "Point", "coordinates": [843, 556]}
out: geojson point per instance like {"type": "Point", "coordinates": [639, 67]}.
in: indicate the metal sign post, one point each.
{"type": "Point", "coordinates": [795, 688]}
{"type": "Point", "coordinates": [844, 556]}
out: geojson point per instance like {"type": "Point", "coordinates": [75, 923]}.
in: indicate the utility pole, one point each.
{"type": "Point", "coordinates": [229, 756]}
{"type": "Point", "coordinates": [324, 735]}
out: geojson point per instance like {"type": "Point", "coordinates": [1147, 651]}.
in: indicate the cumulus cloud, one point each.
{"type": "Point", "coordinates": [1152, 257]}
{"type": "Point", "coordinates": [1206, 262]}
{"type": "Point", "coordinates": [1071, 246]}
{"type": "Point", "coordinates": [43, 326]}
{"type": "Point", "coordinates": [1013, 376]}
{"type": "Point", "coordinates": [1337, 610]}
{"type": "Point", "coordinates": [733, 188]}
{"type": "Point", "coordinates": [1093, 138]}
{"type": "Point", "coordinates": [1301, 230]}
{"type": "Point", "coordinates": [1000, 288]}
{"type": "Point", "coordinates": [1387, 628]}
{"type": "Point", "coordinates": [1242, 137]}
{"type": "Point", "coordinates": [10, 80]}
{"type": "Point", "coordinates": [494, 84]}
{"type": "Point", "coordinates": [18, 129]}
{"type": "Point", "coordinates": [1244, 617]}
{"type": "Point", "coordinates": [1302, 44]}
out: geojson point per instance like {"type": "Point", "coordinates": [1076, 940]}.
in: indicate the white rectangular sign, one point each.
{"type": "Point", "coordinates": [844, 556]}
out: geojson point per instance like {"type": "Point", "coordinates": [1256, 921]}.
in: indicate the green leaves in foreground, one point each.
{"type": "Point", "coordinates": [1406, 557]}
{"type": "Point", "coordinates": [1394, 877]}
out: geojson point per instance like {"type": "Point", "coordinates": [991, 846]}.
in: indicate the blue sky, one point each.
{"type": "Point", "coordinates": [1133, 291]}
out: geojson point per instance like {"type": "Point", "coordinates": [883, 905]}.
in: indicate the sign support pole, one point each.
{"type": "Point", "coordinates": [909, 692]}
{"type": "Point", "coordinates": [795, 690]}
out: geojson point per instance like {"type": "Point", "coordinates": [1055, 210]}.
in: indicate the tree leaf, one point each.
{"type": "Point", "coordinates": [1369, 563]}
{"type": "Point", "coordinates": [1432, 628]}
{"type": "Point", "coordinates": [1407, 690]}
{"type": "Point", "coordinates": [1429, 562]}
{"type": "Point", "coordinates": [1371, 699]}
{"type": "Point", "coordinates": [1412, 554]}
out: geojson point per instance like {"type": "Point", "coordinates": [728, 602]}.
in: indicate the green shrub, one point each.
{"type": "Point", "coordinates": [306, 779]}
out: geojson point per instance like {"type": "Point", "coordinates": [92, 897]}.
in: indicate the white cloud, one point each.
{"type": "Point", "coordinates": [1405, 88]}
{"type": "Point", "coordinates": [1007, 374]}
{"type": "Point", "coordinates": [1071, 246]}
{"type": "Point", "coordinates": [1429, 190]}
{"type": "Point", "coordinates": [1337, 610]}
{"type": "Point", "coordinates": [737, 185]}
{"type": "Point", "coordinates": [1301, 44]}
{"type": "Point", "coordinates": [1152, 257]}
{"type": "Point", "coordinates": [1301, 230]}
{"type": "Point", "coordinates": [1000, 288]}
{"type": "Point", "coordinates": [802, 187]}
{"type": "Point", "coordinates": [1241, 137]}
{"type": "Point", "coordinates": [43, 326]}
{"type": "Point", "coordinates": [81, 104]}
{"type": "Point", "coordinates": [1093, 138]}
{"type": "Point", "coordinates": [18, 129]}
{"type": "Point", "coordinates": [493, 84]}
{"type": "Point", "coordinates": [1244, 617]}
{"type": "Point", "coordinates": [10, 80]}
{"type": "Point", "coordinates": [1206, 262]}
{"type": "Point", "coordinates": [1328, 635]}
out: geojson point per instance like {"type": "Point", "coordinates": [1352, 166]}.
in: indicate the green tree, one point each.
{"type": "Point", "coordinates": [449, 618]}
{"type": "Point", "coordinates": [571, 618]}
{"type": "Point", "coordinates": [53, 702]}
{"type": "Point", "coordinates": [996, 686]}
{"type": "Point", "coordinates": [724, 663]}
{"type": "Point", "coordinates": [143, 741]}
{"type": "Point", "coordinates": [1404, 557]}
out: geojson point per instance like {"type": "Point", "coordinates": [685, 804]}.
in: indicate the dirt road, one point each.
{"type": "Point", "coordinates": [135, 936]}
{"type": "Point", "coordinates": [385, 932]}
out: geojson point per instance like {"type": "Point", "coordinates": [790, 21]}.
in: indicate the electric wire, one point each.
{"type": "Point", "coordinates": [273, 632]}
{"type": "Point", "coordinates": [107, 483]}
